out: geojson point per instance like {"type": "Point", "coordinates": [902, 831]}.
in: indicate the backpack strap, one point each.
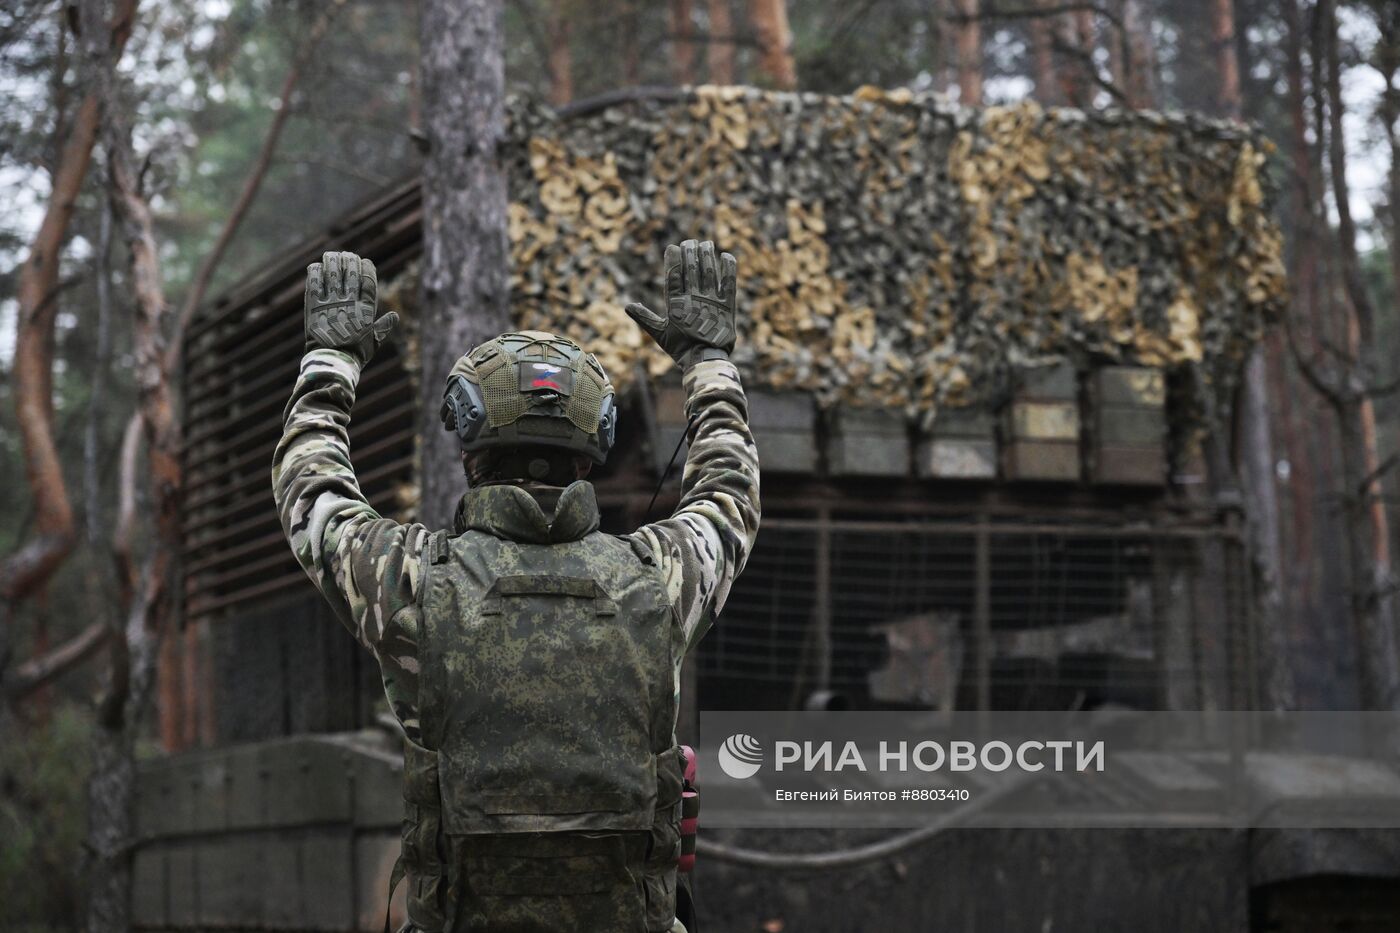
{"type": "Point", "coordinates": [395, 877]}
{"type": "Point", "coordinates": [437, 547]}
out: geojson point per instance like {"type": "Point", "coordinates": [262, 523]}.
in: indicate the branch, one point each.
{"type": "Point", "coordinates": [25, 569]}
{"type": "Point", "coordinates": [1363, 487]}
{"type": "Point", "coordinates": [46, 303]}
{"type": "Point", "coordinates": [738, 41]}
{"type": "Point", "coordinates": [122, 556]}
{"type": "Point", "coordinates": [251, 185]}
{"type": "Point", "coordinates": [1037, 13]}
{"type": "Point", "coordinates": [37, 672]}
{"type": "Point", "coordinates": [1382, 390]}
{"type": "Point", "coordinates": [1320, 385]}
{"type": "Point", "coordinates": [92, 484]}
{"type": "Point", "coordinates": [350, 171]}
{"type": "Point", "coordinates": [1087, 60]}
{"type": "Point", "coordinates": [33, 563]}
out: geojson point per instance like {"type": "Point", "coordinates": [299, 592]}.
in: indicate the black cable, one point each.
{"type": "Point", "coordinates": [665, 474]}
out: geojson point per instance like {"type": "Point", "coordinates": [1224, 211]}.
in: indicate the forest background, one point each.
{"type": "Point", "coordinates": [155, 154]}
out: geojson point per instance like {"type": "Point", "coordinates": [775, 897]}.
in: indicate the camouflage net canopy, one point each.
{"type": "Point", "coordinates": [896, 250]}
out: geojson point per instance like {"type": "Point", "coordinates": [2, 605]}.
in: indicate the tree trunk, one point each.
{"type": "Point", "coordinates": [134, 651]}
{"type": "Point", "coordinates": [770, 26]}
{"type": "Point", "coordinates": [34, 562]}
{"type": "Point", "coordinates": [1303, 479]}
{"type": "Point", "coordinates": [1075, 88]}
{"type": "Point", "coordinates": [719, 54]}
{"type": "Point", "coordinates": [1142, 55]}
{"type": "Point", "coordinates": [1116, 42]}
{"type": "Point", "coordinates": [1368, 527]}
{"type": "Point", "coordinates": [31, 565]}
{"type": "Point", "coordinates": [969, 53]}
{"type": "Point", "coordinates": [1227, 64]}
{"type": "Point", "coordinates": [561, 60]}
{"type": "Point", "coordinates": [97, 406]}
{"type": "Point", "coordinates": [1388, 64]}
{"type": "Point", "coordinates": [466, 257]}
{"type": "Point", "coordinates": [1256, 451]}
{"type": "Point", "coordinates": [682, 42]}
{"type": "Point", "coordinates": [631, 43]}
{"type": "Point", "coordinates": [1047, 89]}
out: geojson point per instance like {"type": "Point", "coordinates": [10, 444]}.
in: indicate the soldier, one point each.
{"type": "Point", "coordinates": [532, 660]}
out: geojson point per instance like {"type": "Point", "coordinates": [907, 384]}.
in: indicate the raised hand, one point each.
{"type": "Point", "coordinates": [700, 319]}
{"type": "Point", "coordinates": [341, 302]}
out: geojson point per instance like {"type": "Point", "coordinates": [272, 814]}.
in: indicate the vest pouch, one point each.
{"type": "Point", "coordinates": [664, 844]}
{"type": "Point", "coordinates": [578, 881]}
{"type": "Point", "coordinates": [424, 844]}
{"type": "Point", "coordinates": [550, 713]}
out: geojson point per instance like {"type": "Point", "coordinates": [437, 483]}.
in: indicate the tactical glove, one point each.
{"type": "Point", "coordinates": [700, 304]}
{"type": "Point", "coordinates": [341, 300]}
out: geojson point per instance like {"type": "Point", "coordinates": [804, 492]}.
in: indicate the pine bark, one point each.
{"type": "Point", "coordinates": [1047, 88]}
{"type": "Point", "coordinates": [631, 24]}
{"type": "Point", "coordinates": [1142, 55]}
{"type": "Point", "coordinates": [26, 570]}
{"type": "Point", "coordinates": [561, 59]}
{"type": "Point", "coordinates": [1116, 42]}
{"type": "Point", "coordinates": [969, 53]}
{"type": "Point", "coordinates": [775, 61]}
{"type": "Point", "coordinates": [1076, 88]}
{"type": "Point", "coordinates": [1368, 532]}
{"type": "Point", "coordinates": [1256, 444]}
{"type": "Point", "coordinates": [682, 22]}
{"type": "Point", "coordinates": [135, 644]}
{"type": "Point", "coordinates": [1305, 483]}
{"type": "Point", "coordinates": [719, 54]}
{"type": "Point", "coordinates": [466, 257]}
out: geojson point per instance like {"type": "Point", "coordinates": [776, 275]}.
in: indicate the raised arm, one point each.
{"type": "Point", "coordinates": [702, 547]}
{"type": "Point", "coordinates": [365, 566]}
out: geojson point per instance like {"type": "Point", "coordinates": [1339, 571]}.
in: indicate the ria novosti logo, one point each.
{"type": "Point", "coordinates": [740, 756]}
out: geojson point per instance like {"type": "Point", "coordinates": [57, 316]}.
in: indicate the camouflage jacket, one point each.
{"type": "Point", "coordinates": [370, 568]}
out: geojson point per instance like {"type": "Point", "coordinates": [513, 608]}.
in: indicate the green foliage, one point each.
{"type": "Point", "coordinates": [43, 809]}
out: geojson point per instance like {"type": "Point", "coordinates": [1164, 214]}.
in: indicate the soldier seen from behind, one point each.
{"type": "Point", "coordinates": [532, 660]}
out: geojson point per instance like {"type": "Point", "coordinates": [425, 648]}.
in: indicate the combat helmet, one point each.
{"type": "Point", "coordinates": [531, 389]}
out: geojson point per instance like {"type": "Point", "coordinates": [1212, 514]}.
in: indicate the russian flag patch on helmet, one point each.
{"type": "Point", "coordinates": [536, 376]}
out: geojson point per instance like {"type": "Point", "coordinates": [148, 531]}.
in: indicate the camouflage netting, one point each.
{"type": "Point", "coordinates": [896, 250]}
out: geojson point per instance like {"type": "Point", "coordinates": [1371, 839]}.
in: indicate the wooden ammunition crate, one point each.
{"type": "Point", "coordinates": [962, 445]}
{"type": "Point", "coordinates": [783, 425]}
{"type": "Point", "coordinates": [868, 442]}
{"type": "Point", "coordinates": [784, 428]}
{"type": "Point", "coordinates": [668, 424]}
{"type": "Point", "coordinates": [1041, 427]}
{"type": "Point", "coordinates": [1129, 426]}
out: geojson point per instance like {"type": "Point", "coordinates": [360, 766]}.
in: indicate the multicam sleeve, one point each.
{"type": "Point", "coordinates": [368, 568]}
{"type": "Point", "coordinates": [703, 546]}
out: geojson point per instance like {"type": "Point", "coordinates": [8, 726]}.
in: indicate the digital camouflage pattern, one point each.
{"type": "Point", "coordinates": [548, 691]}
{"type": "Point", "coordinates": [547, 653]}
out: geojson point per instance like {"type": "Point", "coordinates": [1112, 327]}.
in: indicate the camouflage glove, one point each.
{"type": "Point", "coordinates": [700, 304]}
{"type": "Point", "coordinates": [341, 299]}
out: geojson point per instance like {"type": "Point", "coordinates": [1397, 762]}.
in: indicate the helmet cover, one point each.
{"type": "Point", "coordinates": [531, 388]}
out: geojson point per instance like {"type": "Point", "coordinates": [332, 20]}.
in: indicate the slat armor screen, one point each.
{"type": "Point", "coordinates": [242, 359]}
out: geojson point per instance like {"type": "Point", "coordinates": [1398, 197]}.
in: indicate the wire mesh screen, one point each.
{"type": "Point", "coordinates": [968, 614]}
